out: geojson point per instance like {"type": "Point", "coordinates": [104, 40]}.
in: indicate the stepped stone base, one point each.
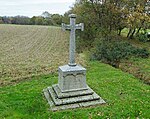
{"type": "Point", "coordinates": [70, 100]}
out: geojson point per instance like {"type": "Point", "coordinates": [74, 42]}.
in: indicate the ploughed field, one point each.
{"type": "Point", "coordinates": [27, 51]}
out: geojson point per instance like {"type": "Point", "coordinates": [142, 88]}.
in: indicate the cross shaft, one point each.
{"type": "Point", "coordinates": [72, 27]}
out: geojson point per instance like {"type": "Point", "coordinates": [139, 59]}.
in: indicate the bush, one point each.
{"type": "Point", "coordinates": [143, 53]}
{"type": "Point", "coordinates": [113, 52]}
{"type": "Point", "coordinates": [142, 37]}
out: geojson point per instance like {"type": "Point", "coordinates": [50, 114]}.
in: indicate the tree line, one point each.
{"type": "Point", "coordinates": [104, 22]}
{"type": "Point", "coordinates": [109, 16]}
{"type": "Point", "coordinates": [45, 19]}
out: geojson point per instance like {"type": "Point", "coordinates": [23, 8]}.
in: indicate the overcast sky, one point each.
{"type": "Point", "coordinates": [33, 7]}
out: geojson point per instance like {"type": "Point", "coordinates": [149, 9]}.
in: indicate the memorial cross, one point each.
{"type": "Point", "coordinates": [72, 27]}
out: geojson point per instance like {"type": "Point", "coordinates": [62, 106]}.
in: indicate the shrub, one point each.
{"type": "Point", "coordinates": [143, 53]}
{"type": "Point", "coordinates": [112, 52]}
{"type": "Point", "coordinates": [143, 37]}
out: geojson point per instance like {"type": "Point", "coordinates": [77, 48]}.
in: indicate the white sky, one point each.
{"type": "Point", "coordinates": [33, 7]}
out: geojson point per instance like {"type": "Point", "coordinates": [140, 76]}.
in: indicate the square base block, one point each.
{"type": "Point", "coordinates": [72, 78]}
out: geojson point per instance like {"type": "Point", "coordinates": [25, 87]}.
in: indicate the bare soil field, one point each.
{"type": "Point", "coordinates": [27, 51]}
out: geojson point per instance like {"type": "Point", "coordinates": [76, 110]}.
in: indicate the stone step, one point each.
{"type": "Point", "coordinates": [79, 105]}
{"type": "Point", "coordinates": [61, 95]}
{"type": "Point", "coordinates": [71, 106]}
{"type": "Point", "coordinates": [71, 100]}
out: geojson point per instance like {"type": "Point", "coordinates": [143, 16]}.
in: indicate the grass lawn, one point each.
{"type": "Point", "coordinates": [125, 95]}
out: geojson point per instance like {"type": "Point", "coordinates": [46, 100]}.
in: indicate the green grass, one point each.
{"type": "Point", "coordinates": [139, 67]}
{"type": "Point", "coordinates": [124, 32]}
{"type": "Point", "coordinates": [125, 95]}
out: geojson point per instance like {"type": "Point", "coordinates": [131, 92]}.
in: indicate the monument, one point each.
{"type": "Point", "coordinates": [71, 90]}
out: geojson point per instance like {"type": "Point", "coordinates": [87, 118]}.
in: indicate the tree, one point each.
{"type": "Point", "coordinates": [22, 20]}
{"type": "Point", "coordinates": [37, 20]}
{"type": "Point", "coordinates": [56, 19]}
{"type": "Point", "coordinates": [102, 18]}
{"type": "Point", "coordinates": [6, 20]}
{"type": "Point", "coordinates": [109, 16]}
{"type": "Point", "coordinates": [45, 19]}
{"type": "Point", "coordinates": [137, 17]}
{"type": "Point", "coordinates": [1, 20]}
{"type": "Point", "coordinates": [32, 20]}
{"type": "Point", "coordinates": [46, 14]}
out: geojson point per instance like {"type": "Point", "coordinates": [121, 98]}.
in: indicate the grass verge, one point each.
{"type": "Point", "coordinates": [139, 67]}
{"type": "Point", "coordinates": [125, 96]}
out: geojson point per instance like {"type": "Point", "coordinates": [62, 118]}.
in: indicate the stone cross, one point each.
{"type": "Point", "coordinates": [71, 91]}
{"type": "Point", "coordinates": [72, 27]}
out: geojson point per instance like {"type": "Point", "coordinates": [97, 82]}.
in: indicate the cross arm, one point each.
{"type": "Point", "coordinates": [65, 27]}
{"type": "Point", "coordinates": [80, 26]}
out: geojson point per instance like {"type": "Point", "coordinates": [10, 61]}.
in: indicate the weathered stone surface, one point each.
{"type": "Point", "coordinates": [71, 100]}
{"type": "Point", "coordinates": [72, 27]}
{"type": "Point", "coordinates": [71, 94]}
{"type": "Point", "coordinates": [92, 103]}
{"type": "Point", "coordinates": [64, 107]}
{"type": "Point", "coordinates": [66, 68]}
{"type": "Point", "coordinates": [72, 105]}
{"type": "Point", "coordinates": [72, 78]}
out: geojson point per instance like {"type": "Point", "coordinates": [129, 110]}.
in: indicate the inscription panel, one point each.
{"type": "Point", "coordinates": [72, 80]}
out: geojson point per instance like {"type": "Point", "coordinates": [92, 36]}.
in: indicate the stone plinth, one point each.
{"type": "Point", "coordinates": [72, 78]}
{"type": "Point", "coordinates": [71, 90]}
